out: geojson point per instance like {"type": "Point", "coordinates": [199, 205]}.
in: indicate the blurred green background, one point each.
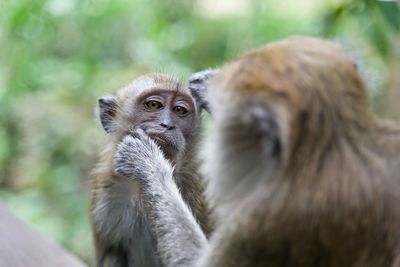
{"type": "Point", "coordinates": [58, 56]}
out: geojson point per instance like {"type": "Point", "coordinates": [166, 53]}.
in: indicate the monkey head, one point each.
{"type": "Point", "coordinates": [276, 106]}
{"type": "Point", "coordinates": [156, 103]}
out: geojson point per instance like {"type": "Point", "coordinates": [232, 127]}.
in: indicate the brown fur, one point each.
{"type": "Point", "coordinates": [332, 197]}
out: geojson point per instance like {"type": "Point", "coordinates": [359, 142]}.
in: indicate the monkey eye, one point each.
{"type": "Point", "coordinates": [153, 105]}
{"type": "Point", "coordinates": [180, 111]}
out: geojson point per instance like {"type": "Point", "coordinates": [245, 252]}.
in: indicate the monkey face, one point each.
{"type": "Point", "coordinates": [156, 103]}
{"type": "Point", "coordinates": [168, 117]}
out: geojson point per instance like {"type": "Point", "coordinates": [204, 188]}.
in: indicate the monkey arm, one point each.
{"type": "Point", "coordinates": [179, 237]}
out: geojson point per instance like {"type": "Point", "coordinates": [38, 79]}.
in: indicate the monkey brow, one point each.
{"type": "Point", "coordinates": [159, 90]}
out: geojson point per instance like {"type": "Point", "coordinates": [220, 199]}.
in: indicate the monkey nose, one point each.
{"type": "Point", "coordinates": [167, 126]}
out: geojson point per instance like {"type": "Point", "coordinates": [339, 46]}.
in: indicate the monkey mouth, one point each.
{"type": "Point", "coordinates": [168, 147]}
{"type": "Point", "coordinates": [163, 141]}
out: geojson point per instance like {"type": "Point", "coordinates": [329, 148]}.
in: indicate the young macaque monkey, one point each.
{"type": "Point", "coordinates": [302, 174]}
{"type": "Point", "coordinates": [162, 108]}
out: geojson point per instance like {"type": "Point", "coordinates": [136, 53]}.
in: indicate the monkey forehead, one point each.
{"type": "Point", "coordinates": [149, 82]}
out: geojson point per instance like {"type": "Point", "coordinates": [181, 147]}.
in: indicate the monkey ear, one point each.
{"type": "Point", "coordinates": [198, 86]}
{"type": "Point", "coordinates": [264, 127]}
{"type": "Point", "coordinates": [107, 111]}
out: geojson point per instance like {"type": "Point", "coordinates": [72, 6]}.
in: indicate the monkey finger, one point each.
{"type": "Point", "coordinates": [131, 156]}
{"type": "Point", "coordinates": [139, 133]}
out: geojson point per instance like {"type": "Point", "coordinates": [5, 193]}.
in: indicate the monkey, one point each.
{"type": "Point", "coordinates": [162, 107]}
{"type": "Point", "coordinates": [301, 172]}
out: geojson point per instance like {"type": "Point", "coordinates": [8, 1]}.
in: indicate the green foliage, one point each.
{"type": "Point", "coordinates": [57, 57]}
{"type": "Point", "coordinates": [376, 20]}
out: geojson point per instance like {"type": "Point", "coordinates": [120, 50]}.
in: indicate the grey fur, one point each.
{"type": "Point", "coordinates": [140, 159]}
{"type": "Point", "coordinates": [198, 84]}
{"type": "Point", "coordinates": [119, 211]}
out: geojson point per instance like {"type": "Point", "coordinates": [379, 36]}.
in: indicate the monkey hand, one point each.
{"type": "Point", "coordinates": [198, 85]}
{"type": "Point", "coordinates": [140, 158]}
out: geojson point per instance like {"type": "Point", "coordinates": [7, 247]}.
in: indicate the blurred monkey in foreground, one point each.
{"type": "Point", "coordinates": [162, 108]}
